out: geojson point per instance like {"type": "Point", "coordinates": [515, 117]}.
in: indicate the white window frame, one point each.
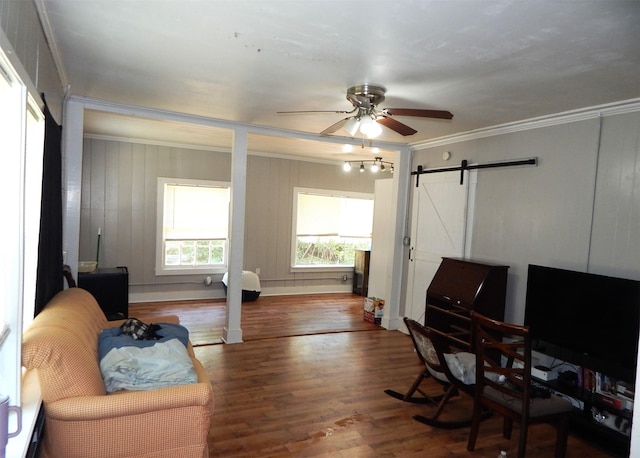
{"type": "Point", "coordinates": [294, 221]}
{"type": "Point", "coordinates": [161, 269]}
{"type": "Point", "coordinates": [22, 132]}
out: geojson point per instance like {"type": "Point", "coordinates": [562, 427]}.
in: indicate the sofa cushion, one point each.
{"type": "Point", "coordinates": [62, 344]}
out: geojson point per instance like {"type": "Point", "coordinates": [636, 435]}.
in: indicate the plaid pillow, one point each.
{"type": "Point", "coordinates": [139, 330]}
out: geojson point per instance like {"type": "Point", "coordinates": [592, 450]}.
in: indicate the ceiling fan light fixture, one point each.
{"type": "Point", "coordinates": [351, 126]}
{"type": "Point", "coordinates": [367, 118]}
{"type": "Point", "coordinates": [374, 130]}
{"type": "Point", "coordinates": [370, 128]}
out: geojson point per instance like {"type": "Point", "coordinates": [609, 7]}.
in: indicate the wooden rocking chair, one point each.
{"type": "Point", "coordinates": [433, 353]}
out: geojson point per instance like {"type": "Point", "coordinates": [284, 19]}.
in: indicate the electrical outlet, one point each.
{"type": "Point", "coordinates": [257, 270]}
{"type": "Point", "coordinates": [344, 278]}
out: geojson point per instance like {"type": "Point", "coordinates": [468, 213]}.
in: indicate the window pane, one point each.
{"type": "Point", "coordinates": [196, 211]}
{"type": "Point", "coordinates": [334, 251]}
{"type": "Point", "coordinates": [10, 137]}
{"type": "Point", "coordinates": [21, 143]}
{"type": "Point", "coordinates": [194, 252]}
{"type": "Point", "coordinates": [210, 252]}
{"type": "Point", "coordinates": [187, 253]}
{"type": "Point", "coordinates": [33, 198]}
{"type": "Point", "coordinates": [334, 215]}
{"type": "Point", "coordinates": [195, 222]}
{"type": "Point", "coordinates": [172, 253]}
{"type": "Point", "coordinates": [356, 217]}
{"type": "Point", "coordinates": [330, 226]}
{"type": "Point", "coordinates": [316, 214]}
{"type": "Point", "coordinates": [203, 252]}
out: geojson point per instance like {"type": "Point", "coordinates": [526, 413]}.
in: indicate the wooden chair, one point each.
{"type": "Point", "coordinates": [506, 388]}
{"type": "Point", "coordinates": [433, 353]}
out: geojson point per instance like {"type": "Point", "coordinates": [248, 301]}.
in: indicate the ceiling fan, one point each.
{"type": "Point", "coordinates": [366, 117]}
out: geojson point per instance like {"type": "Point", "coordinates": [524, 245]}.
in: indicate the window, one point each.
{"type": "Point", "coordinates": [21, 141]}
{"type": "Point", "coordinates": [193, 226]}
{"type": "Point", "coordinates": [328, 226]}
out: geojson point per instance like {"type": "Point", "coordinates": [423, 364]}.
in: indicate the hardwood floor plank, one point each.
{"type": "Point", "coordinates": [267, 317]}
{"type": "Point", "coordinates": [294, 390]}
{"type": "Point", "coordinates": [323, 395]}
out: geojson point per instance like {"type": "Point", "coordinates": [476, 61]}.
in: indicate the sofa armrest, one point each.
{"type": "Point", "coordinates": [131, 403]}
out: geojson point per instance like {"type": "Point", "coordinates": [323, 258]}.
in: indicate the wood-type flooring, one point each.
{"type": "Point", "coordinates": [309, 381]}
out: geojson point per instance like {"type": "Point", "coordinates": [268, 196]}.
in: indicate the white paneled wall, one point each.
{"type": "Point", "coordinates": [615, 243]}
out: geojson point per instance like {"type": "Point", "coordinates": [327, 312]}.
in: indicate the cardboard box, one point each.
{"type": "Point", "coordinates": [369, 304]}
{"type": "Point", "coordinates": [373, 310]}
{"type": "Point", "coordinates": [369, 316]}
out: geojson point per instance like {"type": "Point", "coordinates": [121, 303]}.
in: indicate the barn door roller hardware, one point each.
{"type": "Point", "coordinates": [464, 165]}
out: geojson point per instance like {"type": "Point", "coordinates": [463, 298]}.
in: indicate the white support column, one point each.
{"type": "Point", "coordinates": [402, 179]}
{"type": "Point", "coordinates": [72, 138]}
{"type": "Point", "coordinates": [232, 332]}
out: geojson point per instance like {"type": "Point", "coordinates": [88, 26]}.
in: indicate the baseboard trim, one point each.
{"type": "Point", "coordinates": [167, 296]}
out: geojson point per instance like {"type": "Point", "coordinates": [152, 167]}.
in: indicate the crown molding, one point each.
{"type": "Point", "coordinates": [52, 41]}
{"type": "Point", "coordinates": [611, 109]}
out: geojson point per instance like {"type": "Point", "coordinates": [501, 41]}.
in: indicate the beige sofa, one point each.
{"type": "Point", "coordinates": [81, 419]}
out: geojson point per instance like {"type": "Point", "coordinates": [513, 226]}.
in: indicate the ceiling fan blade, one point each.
{"type": "Point", "coordinates": [392, 124]}
{"type": "Point", "coordinates": [313, 111]}
{"type": "Point", "coordinates": [440, 114]}
{"type": "Point", "coordinates": [331, 129]}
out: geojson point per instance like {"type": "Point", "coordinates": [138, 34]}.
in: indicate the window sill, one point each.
{"type": "Point", "coordinates": [321, 269]}
{"type": "Point", "coordinates": [31, 402]}
{"type": "Point", "coordinates": [191, 271]}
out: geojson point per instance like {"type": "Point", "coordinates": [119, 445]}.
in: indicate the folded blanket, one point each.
{"type": "Point", "coordinates": [129, 364]}
{"type": "Point", "coordinates": [115, 338]}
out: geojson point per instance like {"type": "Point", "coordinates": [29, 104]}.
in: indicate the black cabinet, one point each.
{"type": "Point", "coordinates": [110, 287]}
{"type": "Point", "coordinates": [361, 272]}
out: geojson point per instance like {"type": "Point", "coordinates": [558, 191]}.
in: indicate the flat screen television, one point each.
{"type": "Point", "coordinates": [586, 319]}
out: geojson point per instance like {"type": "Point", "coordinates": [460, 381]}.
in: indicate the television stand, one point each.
{"type": "Point", "coordinates": [599, 415]}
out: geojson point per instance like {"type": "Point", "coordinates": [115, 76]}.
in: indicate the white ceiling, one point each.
{"type": "Point", "coordinates": [489, 62]}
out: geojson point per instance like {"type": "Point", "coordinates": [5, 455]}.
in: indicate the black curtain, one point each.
{"type": "Point", "coordinates": [50, 277]}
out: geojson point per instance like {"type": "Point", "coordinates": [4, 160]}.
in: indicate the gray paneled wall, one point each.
{"type": "Point", "coordinates": [578, 209]}
{"type": "Point", "coordinates": [270, 184]}
{"type": "Point", "coordinates": [119, 196]}
{"type": "Point", "coordinates": [21, 25]}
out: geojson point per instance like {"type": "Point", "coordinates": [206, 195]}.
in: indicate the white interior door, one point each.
{"type": "Point", "coordinates": [438, 229]}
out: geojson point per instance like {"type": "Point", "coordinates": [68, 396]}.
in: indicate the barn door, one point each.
{"type": "Point", "coordinates": [440, 209]}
